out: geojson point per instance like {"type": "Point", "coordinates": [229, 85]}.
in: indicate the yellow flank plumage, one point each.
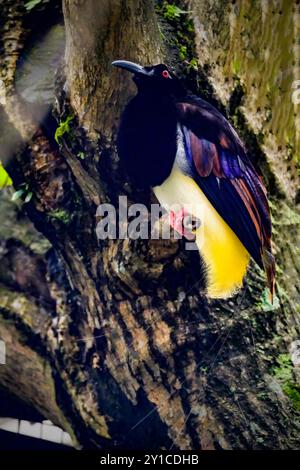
{"type": "Point", "coordinates": [225, 256]}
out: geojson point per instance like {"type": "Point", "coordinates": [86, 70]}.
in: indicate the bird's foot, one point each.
{"type": "Point", "coordinates": [184, 223]}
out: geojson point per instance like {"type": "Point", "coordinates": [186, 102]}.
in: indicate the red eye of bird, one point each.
{"type": "Point", "coordinates": [165, 74]}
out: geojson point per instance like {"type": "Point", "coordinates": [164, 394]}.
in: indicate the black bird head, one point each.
{"type": "Point", "coordinates": [154, 79]}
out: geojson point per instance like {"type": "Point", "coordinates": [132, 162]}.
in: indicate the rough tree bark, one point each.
{"type": "Point", "coordinates": [114, 340]}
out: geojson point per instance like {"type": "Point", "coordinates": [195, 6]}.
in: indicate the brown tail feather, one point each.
{"type": "Point", "coordinates": [269, 266]}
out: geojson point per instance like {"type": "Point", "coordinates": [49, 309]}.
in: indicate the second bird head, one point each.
{"type": "Point", "coordinates": [155, 79]}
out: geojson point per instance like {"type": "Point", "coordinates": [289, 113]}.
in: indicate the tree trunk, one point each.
{"type": "Point", "coordinates": [126, 350]}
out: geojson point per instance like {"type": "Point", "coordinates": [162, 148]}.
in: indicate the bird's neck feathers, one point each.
{"type": "Point", "coordinates": [161, 96]}
{"type": "Point", "coordinates": [154, 101]}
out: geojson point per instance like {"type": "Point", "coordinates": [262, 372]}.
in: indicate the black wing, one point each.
{"type": "Point", "coordinates": [227, 177]}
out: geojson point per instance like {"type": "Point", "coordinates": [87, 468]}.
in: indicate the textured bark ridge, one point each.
{"type": "Point", "coordinates": [237, 40]}
{"type": "Point", "coordinates": [116, 30]}
{"type": "Point", "coordinates": [125, 349]}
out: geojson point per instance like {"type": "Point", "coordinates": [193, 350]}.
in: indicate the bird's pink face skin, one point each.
{"type": "Point", "coordinates": [184, 223]}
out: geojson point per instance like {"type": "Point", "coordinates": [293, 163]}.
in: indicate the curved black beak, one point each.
{"type": "Point", "coordinates": [130, 66]}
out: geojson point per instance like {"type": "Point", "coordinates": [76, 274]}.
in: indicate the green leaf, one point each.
{"type": "Point", "coordinates": [5, 179]}
{"type": "Point", "coordinates": [28, 196]}
{"type": "Point", "coordinates": [63, 128]}
{"type": "Point", "coordinates": [33, 3]}
{"type": "Point", "coordinates": [17, 194]}
{"type": "Point", "coordinates": [183, 52]}
{"type": "Point", "coordinates": [193, 64]}
{"type": "Point", "coordinates": [172, 11]}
